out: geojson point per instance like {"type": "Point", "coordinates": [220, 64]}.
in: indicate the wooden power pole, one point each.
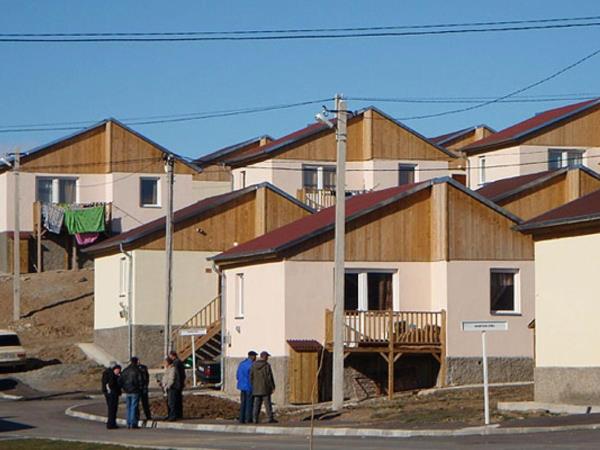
{"type": "Point", "coordinates": [16, 242]}
{"type": "Point", "coordinates": [170, 162]}
{"type": "Point", "coordinates": [340, 234]}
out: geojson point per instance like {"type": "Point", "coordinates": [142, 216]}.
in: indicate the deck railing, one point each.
{"type": "Point", "coordinates": [207, 317]}
{"type": "Point", "coordinates": [377, 327]}
{"type": "Point", "coordinates": [322, 198]}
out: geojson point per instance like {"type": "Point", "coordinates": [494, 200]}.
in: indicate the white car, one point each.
{"type": "Point", "coordinates": [12, 353]}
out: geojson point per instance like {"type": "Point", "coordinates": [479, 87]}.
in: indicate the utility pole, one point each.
{"type": "Point", "coordinates": [16, 242]}
{"type": "Point", "coordinates": [169, 163]}
{"type": "Point", "coordinates": [340, 235]}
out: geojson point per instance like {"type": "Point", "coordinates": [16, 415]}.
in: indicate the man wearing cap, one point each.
{"type": "Point", "coordinates": [111, 391]}
{"type": "Point", "coordinates": [263, 386]}
{"type": "Point", "coordinates": [245, 388]}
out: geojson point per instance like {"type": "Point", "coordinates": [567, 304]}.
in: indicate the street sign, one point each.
{"type": "Point", "coordinates": [482, 326]}
{"type": "Point", "coordinates": [485, 325]}
{"type": "Point", "coordinates": [193, 332]}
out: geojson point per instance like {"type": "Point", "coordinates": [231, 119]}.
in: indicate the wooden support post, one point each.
{"type": "Point", "coordinates": [390, 358]}
{"type": "Point", "coordinates": [443, 360]}
{"type": "Point", "coordinates": [73, 253]}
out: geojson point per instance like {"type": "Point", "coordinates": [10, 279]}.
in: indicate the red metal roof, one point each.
{"type": "Point", "coordinates": [526, 127]}
{"type": "Point", "coordinates": [498, 189]}
{"type": "Point", "coordinates": [584, 207]}
{"type": "Point", "coordinates": [305, 345]}
{"type": "Point", "coordinates": [452, 135]}
{"type": "Point", "coordinates": [307, 226]}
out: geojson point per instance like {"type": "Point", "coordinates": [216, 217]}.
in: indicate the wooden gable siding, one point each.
{"type": "Point", "coordinates": [213, 173]}
{"type": "Point", "coordinates": [398, 232]}
{"type": "Point", "coordinates": [477, 232]}
{"type": "Point", "coordinates": [82, 154]}
{"type": "Point", "coordinates": [216, 231]}
{"type": "Point", "coordinates": [322, 147]}
{"type": "Point", "coordinates": [130, 153]}
{"type": "Point", "coordinates": [583, 130]}
{"type": "Point", "coordinates": [391, 141]}
{"type": "Point", "coordinates": [533, 202]}
{"type": "Point", "coordinates": [279, 211]}
{"type": "Point", "coordinates": [587, 183]}
{"type": "Point", "coordinates": [468, 139]}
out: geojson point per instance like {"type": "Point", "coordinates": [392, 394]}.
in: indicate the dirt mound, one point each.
{"type": "Point", "coordinates": [199, 407]}
{"type": "Point", "coordinates": [57, 312]}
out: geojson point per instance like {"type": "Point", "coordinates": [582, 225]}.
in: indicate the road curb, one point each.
{"type": "Point", "coordinates": [335, 432]}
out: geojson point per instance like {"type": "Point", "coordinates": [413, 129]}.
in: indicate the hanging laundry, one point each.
{"type": "Point", "coordinates": [86, 238]}
{"type": "Point", "coordinates": [53, 217]}
{"type": "Point", "coordinates": [84, 220]}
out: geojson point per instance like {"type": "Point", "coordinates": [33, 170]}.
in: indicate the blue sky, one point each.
{"type": "Point", "coordinates": [72, 82]}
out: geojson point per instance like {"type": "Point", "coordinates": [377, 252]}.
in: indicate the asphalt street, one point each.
{"type": "Point", "coordinates": [46, 418]}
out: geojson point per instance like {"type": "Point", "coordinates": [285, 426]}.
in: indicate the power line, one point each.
{"type": "Point", "coordinates": [377, 34]}
{"type": "Point", "coordinates": [303, 30]}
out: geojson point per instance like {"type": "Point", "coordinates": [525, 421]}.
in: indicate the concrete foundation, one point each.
{"type": "Point", "coordinates": [500, 370]}
{"type": "Point", "coordinates": [148, 343]}
{"type": "Point", "coordinates": [279, 365]}
{"type": "Point", "coordinates": [572, 385]}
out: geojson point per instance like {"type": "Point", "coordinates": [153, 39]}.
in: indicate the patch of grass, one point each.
{"type": "Point", "coordinates": [46, 444]}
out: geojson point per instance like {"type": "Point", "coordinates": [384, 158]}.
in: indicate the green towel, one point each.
{"type": "Point", "coordinates": [86, 220]}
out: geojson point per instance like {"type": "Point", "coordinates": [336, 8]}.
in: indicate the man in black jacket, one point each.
{"type": "Point", "coordinates": [132, 383]}
{"type": "Point", "coordinates": [144, 394]}
{"type": "Point", "coordinates": [111, 390]}
{"type": "Point", "coordinates": [179, 383]}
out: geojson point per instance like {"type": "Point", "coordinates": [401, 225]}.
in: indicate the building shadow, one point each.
{"type": "Point", "coordinates": [7, 425]}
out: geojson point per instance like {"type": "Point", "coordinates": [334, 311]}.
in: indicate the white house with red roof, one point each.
{"type": "Point", "coordinates": [381, 153]}
{"type": "Point", "coordinates": [420, 259]}
{"type": "Point", "coordinates": [562, 137]}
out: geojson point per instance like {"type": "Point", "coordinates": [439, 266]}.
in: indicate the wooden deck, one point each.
{"type": "Point", "coordinates": [393, 334]}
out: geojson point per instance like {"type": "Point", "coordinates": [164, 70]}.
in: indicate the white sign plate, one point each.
{"type": "Point", "coordinates": [484, 325]}
{"type": "Point", "coordinates": [193, 332]}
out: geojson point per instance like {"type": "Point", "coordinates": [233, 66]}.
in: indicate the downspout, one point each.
{"type": "Point", "coordinates": [221, 384]}
{"type": "Point", "coordinates": [129, 300]}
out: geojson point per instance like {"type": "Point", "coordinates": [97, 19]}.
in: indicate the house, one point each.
{"type": "Point", "coordinates": [456, 140]}
{"type": "Point", "coordinates": [130, 270]}
{"type": "Point", "coordinates": [381, 153]}
{"type": "Point", "coordinates": [561, 137]}
{"type": "Point", "coordinates": [530, 195]}
{"type": "Point", "coordinates": [435, 253]}
{"type": "Point", "coordinates": [567, 245]}
{"type": "Point", "coordinates": [107, 164]}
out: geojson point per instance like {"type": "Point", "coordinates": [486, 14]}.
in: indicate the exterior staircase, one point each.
{"type": "Point", "coordinates": [208, 346]}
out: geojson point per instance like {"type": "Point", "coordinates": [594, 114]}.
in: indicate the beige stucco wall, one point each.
{"type": "Point", "coordinates": [469, 299]}
{"type": "Point", "coordinates": [193, 287]}
{"type": "Point", "coordinates": [204, 189]}
{"type": "Point", "coordinates": [567, 302]}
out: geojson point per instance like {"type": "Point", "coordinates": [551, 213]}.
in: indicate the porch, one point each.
{"type": "Point", "coordinates": [319, 199]}
{"type": "Point", "coordinates": [392, 334]}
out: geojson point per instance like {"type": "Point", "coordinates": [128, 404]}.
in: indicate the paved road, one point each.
{"type": "Point", "coordinates": [46, 418]}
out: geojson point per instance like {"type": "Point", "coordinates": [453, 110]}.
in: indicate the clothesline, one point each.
{"type": "Point", "coordinates": [85, 221]}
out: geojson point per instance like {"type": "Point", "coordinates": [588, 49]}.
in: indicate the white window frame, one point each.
{"type": "Point", "coordinates": [158, 192]}
{"type": "Point", "coordinates": [239, 296]}
{"type": "Point", "coordinates": [320, 174]}
{"type": "Point", "coordinates": [565, 155]}
{"type": "Point", "coordinates": [123, 276]}
{"type": "Point", "coordinates": [517, 291]}
{"type": "Point", "coordinates": [242, 179]}
{"type": "Point", "coordinates": [363, 286]}
{"type": "Point", "coordinates": [482, 169]}
{"type": "Point", "coordinates": [405, 166]}
{"type": "Point", "coordinates": [56, 187]}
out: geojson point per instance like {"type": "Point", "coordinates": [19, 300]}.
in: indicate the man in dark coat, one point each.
{"type": "Point", "coordinates": [144, 394]}
{"type": "Point", "coordinates": [245, 387]}
{"type": "Point", "coordinates": [263, 386]}
{"type": "Point", "coordinates": [132, 383]}
{"type": "Point", "coordinates": [179, 383]}
{"type": "Point", "coordinates": [112, 392]}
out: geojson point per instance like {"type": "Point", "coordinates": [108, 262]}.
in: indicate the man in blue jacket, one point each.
{"type": "Point", "coordinates": [245, 387]}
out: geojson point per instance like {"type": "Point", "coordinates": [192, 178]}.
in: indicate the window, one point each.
{"type": "Point", "coordinates": [242, 179]}
{"type": "Point", "coordinates": [239, 295]}
{"type": "Point", "coordinates": [123, 277]}
{"type": "Point", "coordinates": [482, 174]}
{"type": "Point", "coordinates": [559, 158]}
{"type": "Point", "coordinates": [504, 291]}
{"type": "Point", "coordinates": [56, 190]}
{"type": "Point", "coordinates": [318, 177]}
{"type": "Point", "coordinates": [149, 192]}
{"type": "Point", "coordinates": [9, 340]}
{"type": "Point", "coordinates": [406, 173]}
{"type": "Point", "coordinates": [368, 291]}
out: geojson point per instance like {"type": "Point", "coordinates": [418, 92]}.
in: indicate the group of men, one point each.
{"type": "Point", "coordinates": [134, 381]}
{"type": "Point", "coordinates": [256, 384]}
